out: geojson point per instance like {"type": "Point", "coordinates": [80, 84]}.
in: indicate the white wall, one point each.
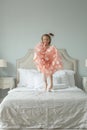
{"type": "Point", "coordinates": [22, 22]}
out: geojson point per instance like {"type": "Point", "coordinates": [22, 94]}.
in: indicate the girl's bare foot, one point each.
{"type": "Point", "coordinates": [49, 88]}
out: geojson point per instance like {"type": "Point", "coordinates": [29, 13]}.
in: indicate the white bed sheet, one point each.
{"type": "Point", "coordinates": [65, 108]}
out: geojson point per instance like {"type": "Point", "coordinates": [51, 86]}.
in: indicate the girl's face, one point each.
{"type": "Point", "coordinates": [46, 40]}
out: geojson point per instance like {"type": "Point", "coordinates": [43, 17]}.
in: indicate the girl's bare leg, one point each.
{"type": "Point", "coordinates": [45, 81]}
{"type": "Point", "coordinates": [49, 82]}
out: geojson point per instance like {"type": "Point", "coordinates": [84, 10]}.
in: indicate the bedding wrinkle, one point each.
{"type": "Point", "coordinates": [66, 108]}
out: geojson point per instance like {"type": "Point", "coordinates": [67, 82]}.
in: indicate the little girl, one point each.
{"type": "Point", "coordinates": [47, 60]}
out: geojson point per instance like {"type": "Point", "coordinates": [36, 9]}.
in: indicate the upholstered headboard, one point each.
{"type": "Point", "coordinates": [27, 61]}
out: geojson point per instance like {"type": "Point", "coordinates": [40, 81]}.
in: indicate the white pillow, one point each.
{"type": "Point", "coordinates": [71, 78]}
{"type": "Point", "coordinates": [30, 78]}
{"type": "Point", "coordinates": [60, 77]}
{"type": "Point", "coordinates": [38, 81]}
{"type": "Point", "coordinates": [33, 79]}
{"type": "Point", "coordinates": [26, 77]}
{"type": "Point", "coordinates": [65, 77]}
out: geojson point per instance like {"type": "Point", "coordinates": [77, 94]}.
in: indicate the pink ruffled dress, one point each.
{"type": "Point", "coordinates": [47, 59]}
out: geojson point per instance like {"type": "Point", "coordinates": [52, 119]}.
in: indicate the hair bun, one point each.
{"type": "Point", "coordinates": [51, 34]}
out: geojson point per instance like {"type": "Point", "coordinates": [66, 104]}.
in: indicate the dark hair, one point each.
{"type": "Point", "coordinates": [48, 35]}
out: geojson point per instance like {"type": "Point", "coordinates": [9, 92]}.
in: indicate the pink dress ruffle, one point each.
{"type": "Point", "coordinates": [47, 59]}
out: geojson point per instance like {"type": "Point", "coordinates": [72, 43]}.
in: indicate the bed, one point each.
{"type": "Point", "coordinates": [34, 109]}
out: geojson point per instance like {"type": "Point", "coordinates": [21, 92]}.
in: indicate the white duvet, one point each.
{"type": "Point", "coordinates": [65, 108]}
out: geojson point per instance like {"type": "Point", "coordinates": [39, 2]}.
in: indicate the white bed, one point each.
{"type": "Point", "coordinates": [27, 109]}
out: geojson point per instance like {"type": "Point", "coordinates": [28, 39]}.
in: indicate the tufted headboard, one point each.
{"type": "Point", "coordinates": [27, 62]}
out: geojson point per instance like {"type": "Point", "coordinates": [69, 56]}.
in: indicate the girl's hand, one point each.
{"type": "Point", "coordinates": [45, 44]}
